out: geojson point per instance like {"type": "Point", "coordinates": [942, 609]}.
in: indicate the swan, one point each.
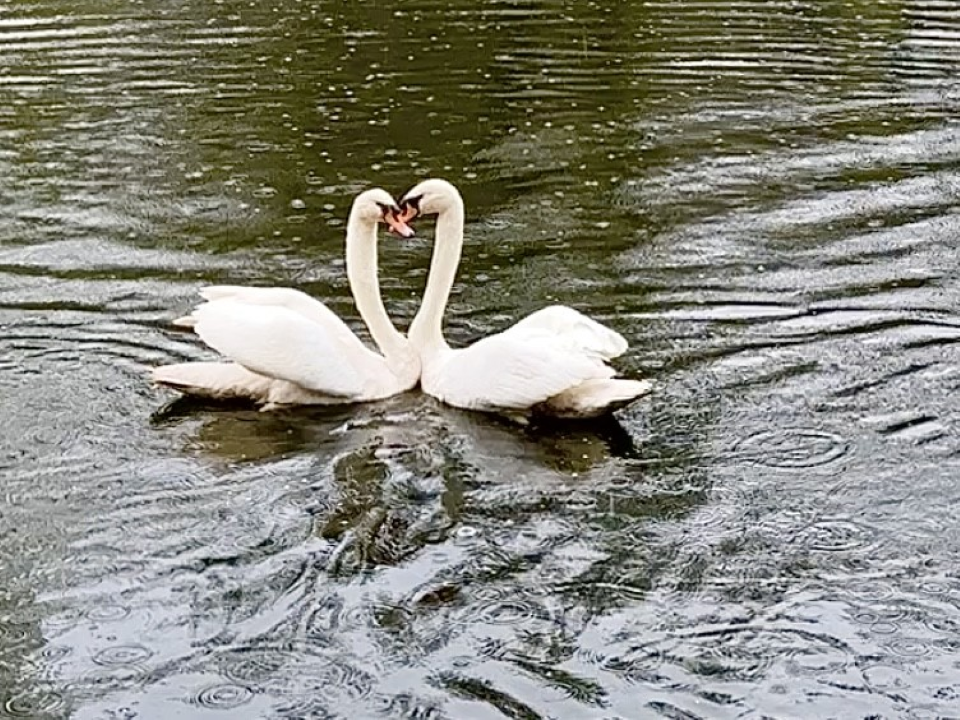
{"type": "Point", "coordinates": [552, 362]}
{"type": "Point", "coordinates": [286, 348]}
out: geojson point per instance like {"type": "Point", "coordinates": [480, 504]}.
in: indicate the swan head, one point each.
{"type": "Point", "coordinates": [430, 197]}
{"type": "Point", "coordinates": [377, 205]}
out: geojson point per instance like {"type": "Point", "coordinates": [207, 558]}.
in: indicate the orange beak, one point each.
{"type": "Point", "coordinates": [408, 212]}
{"type": "Point", "coordinates": [397, 224]}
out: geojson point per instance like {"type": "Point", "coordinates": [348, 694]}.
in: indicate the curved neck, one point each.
{"type": "Point", "coordinates": [361, 259]}
{"type": "Point", "coordinates": [426, 330]}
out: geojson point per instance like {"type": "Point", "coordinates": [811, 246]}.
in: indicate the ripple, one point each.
{"type": "Point", "coordinates": [498, 606]}
{"type": "Point", "coordinates": [835, 535]}
{"type": "Point", "coordinates": [507, 612]}
{"type": "Point", "coordinates": [225, 696]}
{"type": "Point", "coordinates": [15, 634]}
{"type": "Point", "coordinates": [341, 677]}
{"type": "Point", "coordinates": [325, 680]}
{"type": "Point", "coordinates": [65, 618]}
{"type": "Point", "coordinates": [746, 654]}
{"type": "Point", "coordinates": [786, 522]}
{"type": "Point", "coordinates": [871, 614]}
{"type": "Point", "coordinates": [936, 588]}
{"type": "Point", "coordinates": [302, 709]}
{"type": "Point", "coordinates": [254, 666]}
{"type": "Point", "coordinates": [331, 614]}
{"type": "Point", "coordinates": [728, 663]}
{"type": "Point", "coordinates": [910, 648]}
{"type": "Point", "coordinates": [406, 705]}
{"type": "Point", "coordinates": [33, 704]}
{"type": "Point", "coordinates": [53, 653]}
{"type": "Point", "coordinates": [885, 627]}
{"type": "Point", "coordinates": [884, 678]}
{"type": "Point", "coordinates": [108, 612]}
{"type": "Point", "coordinates": [490, 593]}
{"type": "Point", "coordinates": [113, 678]}
{"type": "Point", "coordinates": [939, 623]}
{"type": "Point", "coordinates": [795, 449]}
{"type": "Point", "coordinates": [122, 655]}
{"type": "Point", "coordinates": [869, 591]}
{"type": "Point", "coordinates": [630, 667]}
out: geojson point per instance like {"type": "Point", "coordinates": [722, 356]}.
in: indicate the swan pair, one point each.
{"type": "Point", "coordinates": [287, 348]}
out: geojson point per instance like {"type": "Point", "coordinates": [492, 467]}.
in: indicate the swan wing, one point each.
{"type": "Point", "coordinates": [514, 371]}
{"type": "Point", "coordinates": [573, 329]}
{"type": "Point", "coordinates": [280, 342]}
{"type": "Point", "coordinates": [289, 298]}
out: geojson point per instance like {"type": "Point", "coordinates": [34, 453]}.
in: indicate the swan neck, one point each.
{"type": "Point", "coordinates": [361, 260]}
{"type": "Point", "coordinates": [426, 330]}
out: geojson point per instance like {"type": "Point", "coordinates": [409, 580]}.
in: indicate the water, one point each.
{"type": "Point", "coordinates": [762, 196]}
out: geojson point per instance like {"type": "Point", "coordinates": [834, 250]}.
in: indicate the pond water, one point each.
{"type": "Point", "coordinates": [761, 195]}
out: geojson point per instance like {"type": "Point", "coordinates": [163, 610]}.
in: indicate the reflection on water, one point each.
{"type": "Point", "coordinates": [762, 196]}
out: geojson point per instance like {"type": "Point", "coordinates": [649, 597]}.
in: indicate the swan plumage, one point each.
{"type": "Point", "coordinates": [552, 362]}
{"type": "Point", "coordinates": [287, 348]}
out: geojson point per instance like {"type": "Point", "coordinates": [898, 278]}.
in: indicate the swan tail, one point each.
{"type": "Point", "coordinates": [594, 398]}
{"type": "Point", "coordinates": [187, 321]}
{"type": "Point", "coordinates": [215, 380]}
{"type": "Point", "coordinates": [210, 293]}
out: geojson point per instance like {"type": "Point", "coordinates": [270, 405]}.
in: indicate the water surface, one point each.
{"type": "Point", "coordinates": [762, 196]}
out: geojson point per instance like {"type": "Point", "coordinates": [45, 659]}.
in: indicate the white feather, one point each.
{"type": "Point", "coordinates": [278, 342]}
{"type": "Point", "coordinates": [230, 381]}
{"type": "Point", "coordinates": [514, 370]}
{"type": "Point", "coordinates": [574, 330]}
{"type": "Point", "coordinates": [288, 348]}
{"type": "Point", "coordinates": [552, 362]}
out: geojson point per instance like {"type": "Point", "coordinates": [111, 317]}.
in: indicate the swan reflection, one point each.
{"type": "Point", "coordinates": [409, 424]}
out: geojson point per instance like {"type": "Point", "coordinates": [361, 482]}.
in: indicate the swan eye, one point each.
{"type": "Point", "coordinates": [410, 207]}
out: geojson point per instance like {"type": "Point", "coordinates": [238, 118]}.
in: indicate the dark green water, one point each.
{"type": "Point", "coordinates": [762, 196]}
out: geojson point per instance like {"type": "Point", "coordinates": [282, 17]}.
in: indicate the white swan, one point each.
{"type": "Point", "coordinates": [287, 348]}
{"type": "Point", "coordinates": [552, 362]}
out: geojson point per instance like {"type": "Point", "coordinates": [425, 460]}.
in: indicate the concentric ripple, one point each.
{"type": "Point", "coordinates": [835, 535]}
{"type": "Point", "coordinates": [254, 665]}
{"type": "Point", "coordinates": [33, 704]}
{"type": "Point", "coordinates": [223, 697]}
{"type": "Point", "coordinates": [794, 449]}
{"type": "Point", "coordinates": [122, 655]}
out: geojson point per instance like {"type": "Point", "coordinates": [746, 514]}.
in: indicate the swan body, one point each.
{"type": "Point", "coordinates": [287, 348]}
{"type": "Point", "coordinates": [553, 362]}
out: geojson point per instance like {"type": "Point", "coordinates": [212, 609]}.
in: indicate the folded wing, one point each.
{"type": "Point", "coordinates": [303, 343]}
{"type": "Point", "coordinates": [573, 330]}
{"type": "Point", "coordinates": [516, 370]}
